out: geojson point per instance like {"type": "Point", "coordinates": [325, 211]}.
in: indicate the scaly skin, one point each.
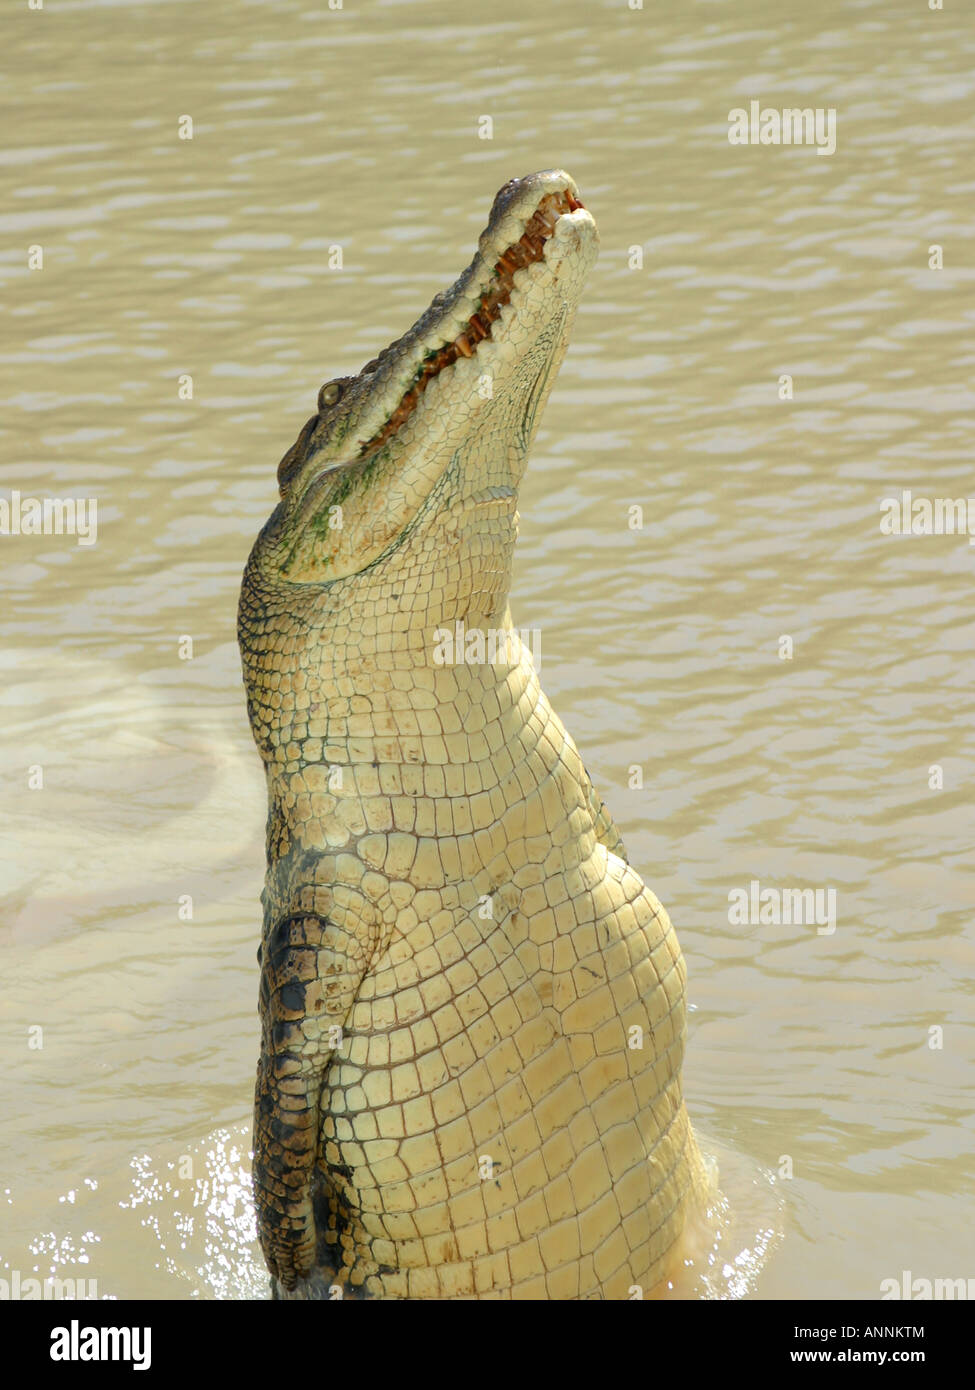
{"type": "Point", "coordinates": [455, 952]}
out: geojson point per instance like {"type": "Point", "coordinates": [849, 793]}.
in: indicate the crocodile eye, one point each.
{"type": "Point", "coordinates": [329, 394]}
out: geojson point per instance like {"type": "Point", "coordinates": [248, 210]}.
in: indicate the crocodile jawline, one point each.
{"type": "Point", "coordinates": [529, 247]}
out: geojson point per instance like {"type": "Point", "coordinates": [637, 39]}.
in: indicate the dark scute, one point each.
{"type": "Point", "coordinates": [293, 996]}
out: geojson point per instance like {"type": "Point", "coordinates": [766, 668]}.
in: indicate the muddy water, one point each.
{"type": "Point", "coordinates": [843, 1136]}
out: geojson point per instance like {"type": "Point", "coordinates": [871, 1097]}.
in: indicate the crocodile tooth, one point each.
{"type": "Point", "coordinates": [522, 279]}
{"type": "Point", "coordinates": [434, 389]}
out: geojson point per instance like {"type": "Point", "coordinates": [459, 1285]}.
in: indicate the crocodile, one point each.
{"type": "Point", "coordinates": [473, 1009]}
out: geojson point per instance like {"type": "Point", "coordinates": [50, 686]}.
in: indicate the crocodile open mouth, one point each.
{"type": "Point", "coordinates": [529, 247]}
